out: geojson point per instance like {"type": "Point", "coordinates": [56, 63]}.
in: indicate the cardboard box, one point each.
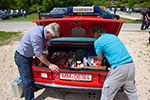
{"type": "Point", "coordinates": [99, 67]}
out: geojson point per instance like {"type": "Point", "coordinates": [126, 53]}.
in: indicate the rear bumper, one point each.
{"type": "Point", "coordinates": [65, 86]}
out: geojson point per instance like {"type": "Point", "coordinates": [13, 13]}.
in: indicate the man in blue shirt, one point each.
{"type": "Point", "coordinates": [33, 43]}
{"type": "Point", "coordinates": [122, 69]}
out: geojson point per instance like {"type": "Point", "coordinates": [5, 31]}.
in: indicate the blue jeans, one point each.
{"type": "Point", "coordinates": [24, 67]}
{"type": "Point", "coordinates": [143, 26]}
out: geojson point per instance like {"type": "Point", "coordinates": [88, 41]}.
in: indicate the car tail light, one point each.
{"type": "Point", "coordinates": [43, 74]}
{"type": "Point", "coordinates": [102, 78]}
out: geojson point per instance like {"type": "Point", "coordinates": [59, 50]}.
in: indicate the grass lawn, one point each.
{"type": "Point", "coordinates": [29, 17]}
{"type": "Point", "coordinates": [7, 37]}
{"type": "Point", "coordinates": [130, 20]}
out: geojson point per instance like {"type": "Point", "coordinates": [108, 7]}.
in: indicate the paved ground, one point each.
{"type": "Point", "coordinates": [16, 26]}
{"type": "Point", "coordinates": [133, 16]}
{"type": "Point", "coordinates": [131, 27]}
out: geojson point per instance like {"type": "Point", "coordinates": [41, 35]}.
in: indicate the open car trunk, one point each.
{"type": "Point", "coordinates": [73, 52]}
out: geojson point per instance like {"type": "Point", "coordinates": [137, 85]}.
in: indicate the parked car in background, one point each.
{"type": "Point", "coordinates": [123, 8]}
{"type": "Point", "coordinates": [108, 15]}
{"type": "Point", "coordinates": [1, 16]}
{"type": "Point", "coordinates": [104, 14]}
{"type": "Point", "coordinates": [55, 13]}
{"type": "Point", "coordinates": [4, 15]}
{"type": "Point", "coordinates": [138, 10]}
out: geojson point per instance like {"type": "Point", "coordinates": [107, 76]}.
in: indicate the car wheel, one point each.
{"type": "Point", "coordinates": [115, 18]}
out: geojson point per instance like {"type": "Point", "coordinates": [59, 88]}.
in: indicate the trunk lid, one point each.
{"type": "Point", "coordinates": [80, 26]}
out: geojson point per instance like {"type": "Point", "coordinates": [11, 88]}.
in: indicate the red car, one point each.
{"type": "Point", "coordinates": [74, 53]}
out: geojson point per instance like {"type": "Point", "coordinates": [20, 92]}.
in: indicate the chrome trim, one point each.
{"type": "Point", "coordinates": [65, 86]}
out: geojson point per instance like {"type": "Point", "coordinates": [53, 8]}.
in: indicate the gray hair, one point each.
{"type": "Point", "coordinates": [53, 28]}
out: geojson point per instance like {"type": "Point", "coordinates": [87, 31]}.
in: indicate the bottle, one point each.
{"type": "Point", "coordinates": [78, 63]}
{"type": "Point", "coordinates": [72, 63]}
{"type": "Point", "coordinates": [85, 61]}
{"type": "Point", "coordinates": [40, 64]}
{"type": "Point", "coordinates": [74, 57]}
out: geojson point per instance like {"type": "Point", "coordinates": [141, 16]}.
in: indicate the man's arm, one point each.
{"type": "Point", "coordinates": [147, 16]}
{"type": "Point", "coordinates": [100, 57]}
{"type": "Point", "coordinates": [37, 44]}
{"type": "Point", "coordinates": [44, 60]}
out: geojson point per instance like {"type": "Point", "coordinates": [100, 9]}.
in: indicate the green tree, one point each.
{"type": "Point", "coordinates": [131, 3]}
{"type": "Point", "coordinates": [39, 2]}
{"type": "Point", "coordinates": [7, 4]}
{"type": "Point", "coordinates": [70, 3]}
{"type": "Point", "coordinates": [23, 4]}
{"type": "Point", "coordinates": [146, 5]}
{"type": "Point", "coordinates": [87, 2]}
{"type": "Point", "coordinates": [3, 4]}
{"type": "Point", "coordinates": [124, 1]}
{"type": "Point", "coordinates": [97, 3]}
{"type": "Point", "coordinates": [48, 4]}
{"type": "Point", "coordinates": [118, 3]}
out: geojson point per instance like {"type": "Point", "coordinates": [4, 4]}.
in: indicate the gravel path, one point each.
{"type": "Point", "coordinates": [137, 45]}
{"type": "Point", "coordinates": [16, 26]}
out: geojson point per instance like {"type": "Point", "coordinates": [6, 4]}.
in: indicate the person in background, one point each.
{"type": "Point", "coordinates": [17, 11]}
{"type": "Point", "coordinates": [38, 11]}
{"type": "Point", "coordinates": [148, 18]}
{"type": "Point", "coordinates": [149, 38]}
{"type": "Point", "coordinates": [21, 11]}
{"type": "Point", "coordinates": [144, 19]}
{"type": "Point", "coordinates": [25, 13]}
{"type": "Point", "coordinates": [105, 8]}
{"type": "Point", "coordinates": [115, 10]}
{"type": "Point", "coordinates": [33, 43]}
{"type": "Point", "coordinates": [127, 10]}
{"type": "Point", "coordinates": [130, 11]}
{"type": "Point", "coordinates": [12, 13]}
{"type": "Point", "coordinates": [122, 70]}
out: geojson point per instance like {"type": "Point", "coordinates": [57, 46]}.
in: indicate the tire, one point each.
{"type": "Point", "coordinates": [115, 18]}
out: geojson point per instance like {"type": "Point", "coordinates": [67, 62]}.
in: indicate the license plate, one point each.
{"type": "Point", "coordinates": [75, 77]}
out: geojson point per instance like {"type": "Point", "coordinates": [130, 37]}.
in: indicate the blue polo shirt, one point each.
{"type": "Point", "coordinates": [113, 49]}
{"type": "Point", "coordinates": [32, 43]}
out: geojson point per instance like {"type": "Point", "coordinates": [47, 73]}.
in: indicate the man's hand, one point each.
{"type": "Point", "coordinates": [54, 68]}
{"type": "Point", "coordinates": [100, 57]}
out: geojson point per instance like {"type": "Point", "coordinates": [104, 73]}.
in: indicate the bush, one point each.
{"type": "Point", "coordinates": [146, 5]}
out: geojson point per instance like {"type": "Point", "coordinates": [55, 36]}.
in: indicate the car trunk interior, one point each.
{"type": "Point", "coordinates": [74, 54]}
